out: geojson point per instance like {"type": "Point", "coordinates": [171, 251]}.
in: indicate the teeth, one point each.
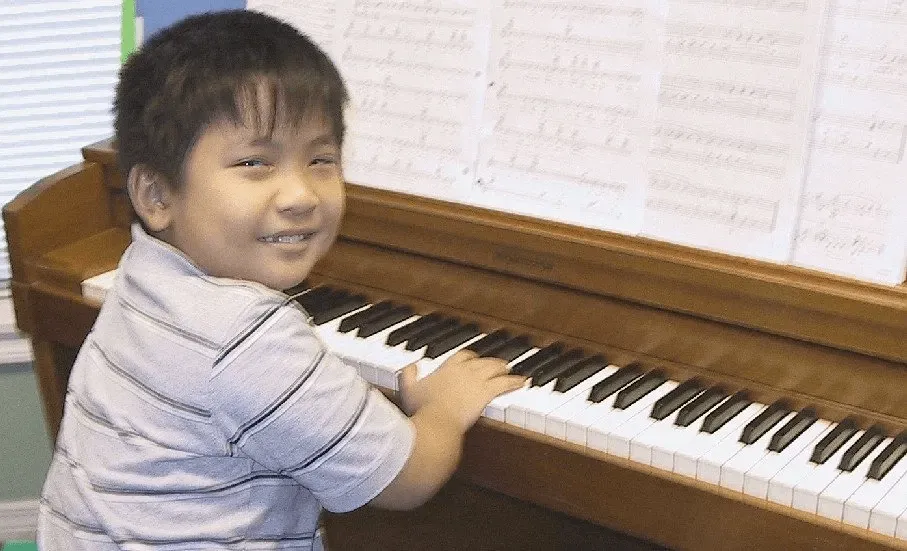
{"type": "Point", "coordinates": [285, 238]}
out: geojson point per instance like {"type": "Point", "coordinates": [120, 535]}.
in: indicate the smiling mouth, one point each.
{"type": "Point", "coordinates": [298, 238]}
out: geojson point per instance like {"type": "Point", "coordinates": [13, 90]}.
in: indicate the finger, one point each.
{"type": "Point", "coordinates": [506, 383]}
{"type": "Point", "coordinates": [461, 356]}
{"type": "Point", "coordinates": [489, 367]}
{"type": "Point", "coordinates": [406, 377]}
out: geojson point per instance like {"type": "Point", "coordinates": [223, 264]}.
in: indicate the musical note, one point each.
{"type": "Point", "coordinates": [565, 113]}
{"type": "Point", "coordinates": [415, 71]}
{"type": "Point", "coordinates": [854, 204]}
{"type": "Point", "coordinates": [732, 122]}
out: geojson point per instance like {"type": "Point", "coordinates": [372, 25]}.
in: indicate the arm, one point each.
{"type": "Point", "coordinates": [444, 406]}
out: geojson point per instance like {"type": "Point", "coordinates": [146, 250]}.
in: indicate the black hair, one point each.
{"type": "Point", "coordinates": [239, 66]}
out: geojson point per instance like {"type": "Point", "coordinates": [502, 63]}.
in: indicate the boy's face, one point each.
{"type": "Point", "coordinates": [259, 208]}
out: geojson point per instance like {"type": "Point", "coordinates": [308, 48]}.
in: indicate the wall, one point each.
{"type": "Point", "coordinates": [157, 14]}
{"type": "Point", "coordinates": [24, 445]}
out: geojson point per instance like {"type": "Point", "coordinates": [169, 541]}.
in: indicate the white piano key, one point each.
{"type": "Point", "coordinates": [884, 516]}
{"type": "Point", "coordinates": [708, 466]}
{"type": "Point", "coordinates": [635, 438]}
{"type": "Point", "coordinates": [665, 441]}
{"type": "Point", "coordinates": [556, 421]}
{"type": "Point", "coordinates": [830, 503]}
{"type": "Point", "coordinates": [756, 480]}
{"type": "Point", "coordinates": [644, 446]}
{"type": "Point", "coordinates": [858, 507]}
{"type": "Point", "coordinates": [781, 486]}
{"type": "Point", "coordinates": [373, 351]}
{"type": "Point", "coordinates": [517, 410]}
{"type": "Point", "coordinates": [687, 457]}
{"type": "Point", "coordinates": [497, 408]}
{"type": "Point", "coordinates": [598, 434]}
{"type": "Point", "coordinates": [537, 414]}
{"type": "Point", "coordinates": [734, 469]}
{"type": "Point", "coordinates": [806, 492]}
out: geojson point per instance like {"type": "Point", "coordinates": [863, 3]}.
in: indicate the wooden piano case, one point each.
{"type": "Point", "coordinates": [837, 345]}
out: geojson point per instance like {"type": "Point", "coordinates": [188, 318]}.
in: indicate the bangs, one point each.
{"type": "Point", "coordinates": [264, 103]}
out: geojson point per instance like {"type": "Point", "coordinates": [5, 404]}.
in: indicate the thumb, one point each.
{"type": "Point", "coordinates": [406, 378]}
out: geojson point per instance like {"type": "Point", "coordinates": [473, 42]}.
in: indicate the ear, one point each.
{"type": "Point", "coordinates": [151, 196]}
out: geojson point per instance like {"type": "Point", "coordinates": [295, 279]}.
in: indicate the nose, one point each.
{"type": "Point", "coordinates": [296, 195]}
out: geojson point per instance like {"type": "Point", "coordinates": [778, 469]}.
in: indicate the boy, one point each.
{"type": "Point", "coordinates": [202, 411]}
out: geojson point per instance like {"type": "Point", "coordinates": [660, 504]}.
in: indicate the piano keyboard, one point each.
{"type": "Point", "coordinates": [769, 451]}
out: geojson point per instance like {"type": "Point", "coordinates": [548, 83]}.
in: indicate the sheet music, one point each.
{"type": "Point", "coordinates": [316, 18]}
{"type": "Point", "coordinates": [570, 94]}
{"type": "Point", "coordinates": [416, 73]}
{"type": "Point", "coordinates": [854, 212]}
{"type": "Point", "coordinates": [728, 149]}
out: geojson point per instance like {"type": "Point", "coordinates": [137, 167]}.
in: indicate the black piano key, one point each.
{"type": "Point", "coordinates": [639, 388]}
{"type": "Point", "coordinates": [726, 411]}
{"type": "Point", "coordinates": [554, 368]}
{"type": "Point", "coordinates": [700, 406]}
{"type": "Point", "coordinates": [792, 430]}
{"type": "Point", "coordinates": [340, 308]}
{"type": "Point", "coordinates": [353, 321]}
{"type": "Point", "coordinates": [432, 333]}
{"type": "Point", "coordinates": [614, 382]}
{"type": "Point", "coordinates": [864, 445]}
{"type": "Point", "coordinates": [403, 333]}
{"type": "Point", "coordinates": [889, 457]}
{"type": "Point", "coordinates": [328, 301]}
{"type": "Point", "coordinates": [392, 317]}
{"type": "Point", "coordinates": [452, 340]}
{"type": "Point", "coordinates": [511, 349]}
{"type": "Point", "coordinates": [580, 372]}
{"type": "Point", "coordinates": [490, 342]}
{"type": "Point", "coordinates": [310, 300]}
{"type": "Point", "coordinates": [674, 400]}
{"type": "Point", "coordinates": [765, 421]}
{"type": "Point", "coordinates": [833, 441]}
{"type": "Point", "coordinates": [529, 365]}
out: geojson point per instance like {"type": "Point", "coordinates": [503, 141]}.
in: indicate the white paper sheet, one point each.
{"type": "Point", "coordinates": [728, 151]}
{"type": "Point", "coordinates": [571, 92]}
{"type": "Point", "coordinates": [415, 70]}
{"type": "Point", "coordinates": [854, 212]}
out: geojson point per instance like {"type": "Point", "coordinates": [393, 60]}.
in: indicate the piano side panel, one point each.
{"type": "Point", "coordinates": [63, 208]}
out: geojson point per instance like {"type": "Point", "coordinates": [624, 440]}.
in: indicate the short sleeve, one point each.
{"type": "Point", "coordinates": [284, 401]}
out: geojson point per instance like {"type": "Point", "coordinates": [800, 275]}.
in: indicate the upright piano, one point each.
{"type": "Point", "coordinates": [809, 347]}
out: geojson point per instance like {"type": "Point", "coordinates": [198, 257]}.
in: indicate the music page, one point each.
{"type": "Point", "coordinates": [854, 211]}
{"type": "Point", "coordinates": [570, 98]}
{"type": "Point", "coordinates": [728, 149]}
{"type": "Point", "coordinates": [416, 72]}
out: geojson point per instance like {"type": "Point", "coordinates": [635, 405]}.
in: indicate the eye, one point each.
{"type": "Point", "coordinates": [324, 160]}
{"type": "Point", "coordinates": [252, 163]}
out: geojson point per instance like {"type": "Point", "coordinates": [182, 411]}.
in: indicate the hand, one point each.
{"type": "Point", "coordinates": [460, 388]}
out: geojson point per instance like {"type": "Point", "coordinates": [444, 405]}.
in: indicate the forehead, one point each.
{"type": "Point", "coordinates": [312, 131]}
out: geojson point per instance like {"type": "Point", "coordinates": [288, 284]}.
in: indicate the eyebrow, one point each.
{"type": "Point", "coordinates": [267, 141]}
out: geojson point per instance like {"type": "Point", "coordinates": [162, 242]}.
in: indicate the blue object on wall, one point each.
{"type": "Point", "coordinates": [158, 14]}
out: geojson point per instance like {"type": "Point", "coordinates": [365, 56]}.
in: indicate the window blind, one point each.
{"type": "Point", "coordinates": [58, 69]}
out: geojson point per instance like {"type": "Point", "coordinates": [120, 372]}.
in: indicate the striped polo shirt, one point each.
{"type": "Point", "coordinates": [205, 413]}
